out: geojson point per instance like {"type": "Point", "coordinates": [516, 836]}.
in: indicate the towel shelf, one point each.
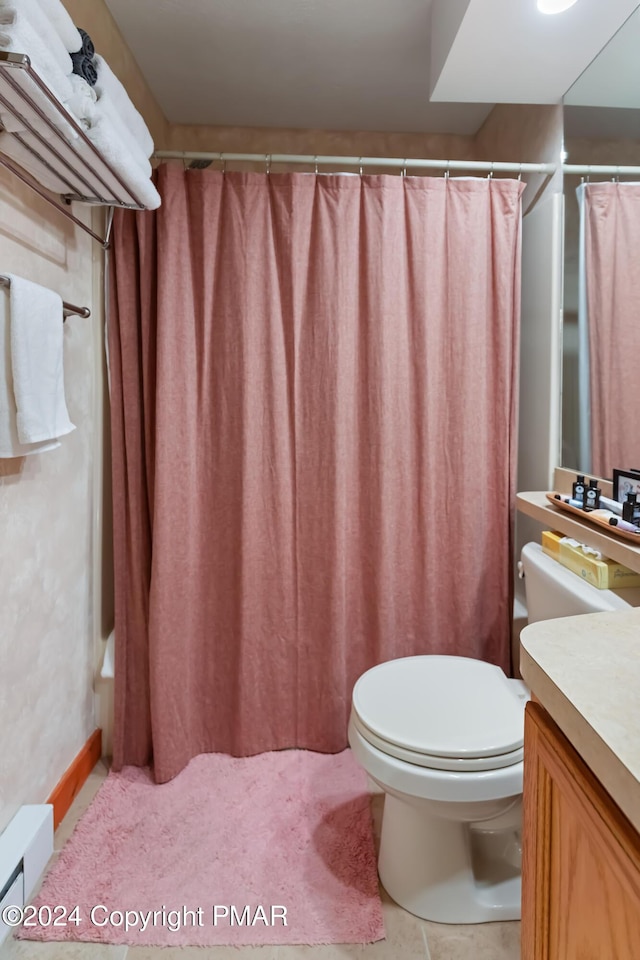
{"type": "Point", "coordinates": [55, 141]}
{"type": "Point", "coordinates": [68, 309]}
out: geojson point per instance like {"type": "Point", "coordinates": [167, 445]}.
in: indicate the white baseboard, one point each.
{"type": "Point", "coordinates": [25, 847]}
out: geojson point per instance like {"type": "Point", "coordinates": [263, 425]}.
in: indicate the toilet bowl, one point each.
{"type": "Point", "coordinates": [443, 738]}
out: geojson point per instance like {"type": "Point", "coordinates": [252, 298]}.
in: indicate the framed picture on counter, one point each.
{"type": "Point", "coordinates": [624, 482]}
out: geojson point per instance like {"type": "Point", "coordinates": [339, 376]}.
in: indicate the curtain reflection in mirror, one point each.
{"type": "Point", "coordinates": [609, 327]}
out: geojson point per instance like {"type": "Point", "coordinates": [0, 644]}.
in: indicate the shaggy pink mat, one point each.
{"type": "Point", "coordinates": [289, 829]}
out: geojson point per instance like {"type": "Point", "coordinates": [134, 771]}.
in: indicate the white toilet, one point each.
{"type": "Point", "coordinates": [443, 738]}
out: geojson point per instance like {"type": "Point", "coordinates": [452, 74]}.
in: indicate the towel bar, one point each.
{"type": "Point", "coordinates": [68, 309]}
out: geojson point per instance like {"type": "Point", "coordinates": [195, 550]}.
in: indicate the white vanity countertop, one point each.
{"type": "Point", "coordinates": [585, 671]}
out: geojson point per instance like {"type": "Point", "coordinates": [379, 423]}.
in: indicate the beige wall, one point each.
{"type": "Point", "coordinates": [521, 133]}
{"type": "Point", "coordinates": [321, 142]}
{"type": "Point", "coordinates": [48, 512]}
{"type": "Point", "coordinates": [619, 152]}
{"type": "Point", "coordinates": [55, 599]}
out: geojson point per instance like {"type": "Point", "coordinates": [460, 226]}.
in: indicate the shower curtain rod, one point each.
{"type": "Point", "coordinates": [602, 170]}
{"type": "Point", "coordinates": [485, 166]}
{"type": "Point", "coordinates": [68, 309]}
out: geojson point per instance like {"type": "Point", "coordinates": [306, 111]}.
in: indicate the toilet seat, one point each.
{"type": "Point", "coordinates": [433, 762]}
{"type": "Point", "coordinates": [439, 712]}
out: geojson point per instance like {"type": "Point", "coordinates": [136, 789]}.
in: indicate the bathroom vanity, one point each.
{"type": "Point", "coordinates": [581, 829]}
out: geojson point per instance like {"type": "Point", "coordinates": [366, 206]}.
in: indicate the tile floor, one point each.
{"type": "Point", "coordinates": [408, 938]}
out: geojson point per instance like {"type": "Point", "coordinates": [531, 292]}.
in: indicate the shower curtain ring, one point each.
{"type": "Point", "coordinates": [224, 164]}
{"type": "Point", "coordinates": [360, 166]}
{"type": "Point", "coordinates": [446, 170]}
{"type": "Point", "coordinates": [403, 172]}
{"type": "Point", "coordinates": [490, 177]}
{"type": "Point", "coordinates": [267, 160]}
{"type": "Point", "coordinates": [520, 173]}
{"type": "Point", "coordinates": [315, 160]}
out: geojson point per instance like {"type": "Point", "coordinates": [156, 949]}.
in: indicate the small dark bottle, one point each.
{"type": "Point", "coordinates": [631, 509]}
{"type": "Point", "coordinates": [579, 488]}
{"type": "Point", "coordinates": [592, 495]}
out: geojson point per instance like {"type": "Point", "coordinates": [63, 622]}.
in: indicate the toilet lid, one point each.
{"type": "Point", "coordinates": [441, 707]}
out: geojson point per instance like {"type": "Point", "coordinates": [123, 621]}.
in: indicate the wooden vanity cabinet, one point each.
{"type": "Point", "coordinates": [581, 856]}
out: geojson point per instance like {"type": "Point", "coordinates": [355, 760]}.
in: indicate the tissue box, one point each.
{"type": "Point", "coordinates": [603, 574]}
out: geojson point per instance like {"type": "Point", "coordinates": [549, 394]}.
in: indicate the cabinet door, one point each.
{"type": "Point", "coordinates": [581, 857]}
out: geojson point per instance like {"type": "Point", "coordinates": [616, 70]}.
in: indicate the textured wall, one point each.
{"type": "Point", "coordinates": [327, 142]}
{"type": "Point", "coordinates": [524, 133]}
{"type": "Point", "coordinates": [47, 508]}
{"type": "Point", "coordinates": [55, 604]}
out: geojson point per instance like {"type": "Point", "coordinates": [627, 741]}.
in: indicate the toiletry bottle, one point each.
{"type": "Point", "coordinates": [592, 495]}
{"type": "Point", "coordinates": [578, 489]}
{"type": "Point", "coordinates": [631, 509]}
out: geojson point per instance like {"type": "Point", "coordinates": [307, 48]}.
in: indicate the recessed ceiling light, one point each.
{"type": "Point", "coordinates": [554, 6]}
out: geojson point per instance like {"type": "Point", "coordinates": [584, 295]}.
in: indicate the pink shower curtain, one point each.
{"type": "Point", "coordinates": [612, 264]}
{"type": "Point", "coordinates": [314, 405]}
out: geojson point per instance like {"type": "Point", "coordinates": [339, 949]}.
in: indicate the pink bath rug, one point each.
{"type": "Point", "coordinates": [272, 849]}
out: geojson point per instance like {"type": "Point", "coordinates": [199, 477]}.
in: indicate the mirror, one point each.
{"type": "Point", "coordinates": [602, 127]}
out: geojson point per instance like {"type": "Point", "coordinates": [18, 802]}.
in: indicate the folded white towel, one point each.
{"type": "Point", "coordinates": [15, 123]}
{"type": "Point", "coordinates": [106, 140]}
{"type": "Point", "coordinates": [15, 150]}
{"type": "Point", "coordinates": [111, 122]}
{"type": "Point", "coordinates": [62, 24]}
{"type": "Point", "coordinates": [28, 33]}
{"type": "Point", "coordinates": [19, 151]}
{"type": "Point", "coordinates": [10, 445]}
{"type": "Point", "coordinates": [108, 85]}
{"type": "Point", "coordinates": [37, 362]}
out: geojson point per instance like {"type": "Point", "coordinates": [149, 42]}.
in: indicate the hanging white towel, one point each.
{"type": "Point", "coordinates": [10, 445]}
{"type": "Point", "coordinates": [37, 362]}
{"type": "Point", "coordinates": [62, 24]}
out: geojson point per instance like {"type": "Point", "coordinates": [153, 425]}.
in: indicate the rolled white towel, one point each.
{"type": "Point", "coordinates": [28, 32]}
{"type": "Point", "coordinates": [62, 24]}
{"type": "Point", "coordinates": [10, 445]}
{"type": "Point", "coordinates": [37, 362]}
{"type": "Point", "coordinates": [110, 87]}
{"type": "Point", "coordinates": [83, 101]}
{"type": "Point", "coordinates": [106, 140]}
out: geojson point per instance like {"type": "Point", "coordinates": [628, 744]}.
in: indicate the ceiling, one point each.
{"type": "Point", "coordinates": [613, 79]}
{"type": "Point", "coordinates": [359, 64]}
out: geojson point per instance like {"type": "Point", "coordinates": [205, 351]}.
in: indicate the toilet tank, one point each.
{"type": "Point", "coordinates": [553, 591]}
